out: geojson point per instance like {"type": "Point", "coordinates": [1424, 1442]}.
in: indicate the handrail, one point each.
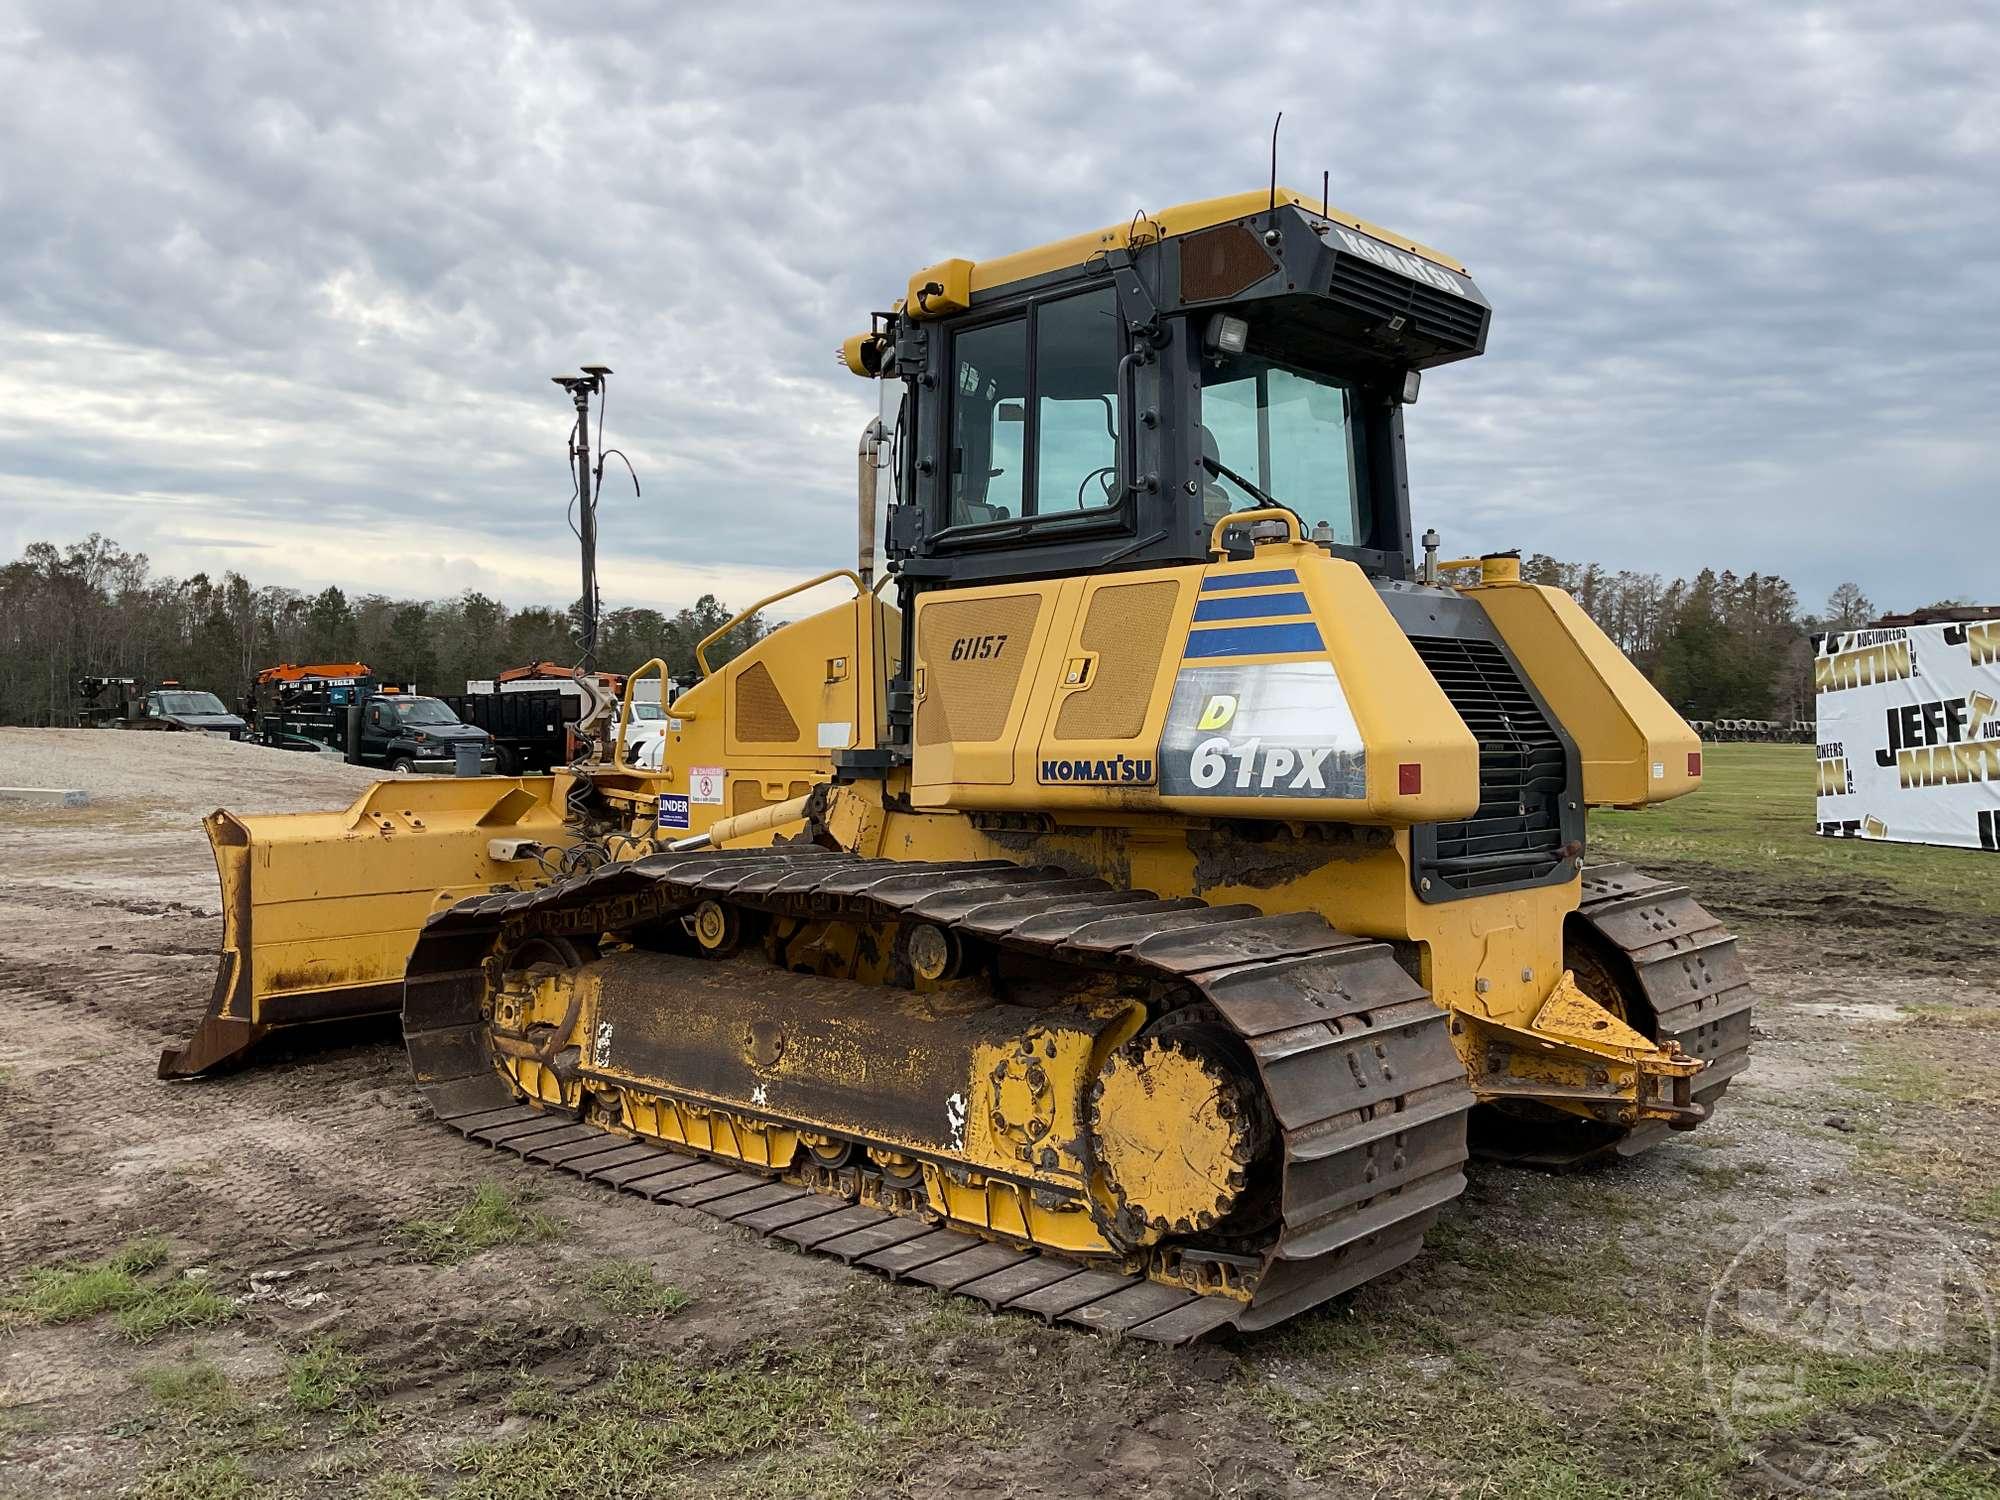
{"type": "Point", "coordinates": [701, 649]}
{"type": "Point", "coordinates": [1125, 456]}
{"type": "Point", "coordinates": [1239, 517]}
{"type": "Point", "coordinates": [625, 712]}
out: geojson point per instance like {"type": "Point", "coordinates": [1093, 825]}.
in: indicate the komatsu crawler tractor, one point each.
{"type": "Point", "coordinates": [1126, 905]}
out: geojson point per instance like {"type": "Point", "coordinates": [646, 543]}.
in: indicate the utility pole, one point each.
{"type": "Point", "coordinates": [581, 388]}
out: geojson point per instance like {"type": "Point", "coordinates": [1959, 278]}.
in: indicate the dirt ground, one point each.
{"type": "Point", "coordinates": [297, 1285]}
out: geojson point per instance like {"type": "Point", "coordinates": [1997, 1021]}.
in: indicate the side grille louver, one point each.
{"type": "Point", "coordinates": [1382, 294]}
{"type": "Point", "coordinates": [1516, 835]}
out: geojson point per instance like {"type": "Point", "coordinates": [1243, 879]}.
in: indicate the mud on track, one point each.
{"type": "Point", "coordinates": [1546, 1343]}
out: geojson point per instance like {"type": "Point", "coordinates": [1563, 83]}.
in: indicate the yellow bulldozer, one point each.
{"type": "Point", "coordinates": [1130, 903]}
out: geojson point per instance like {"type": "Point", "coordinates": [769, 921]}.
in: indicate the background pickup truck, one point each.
{"type": "Point", "coordinates": [409, 733]}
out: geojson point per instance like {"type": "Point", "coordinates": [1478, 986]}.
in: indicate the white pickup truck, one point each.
{"type": "Point", "coordinates": [645, 741]}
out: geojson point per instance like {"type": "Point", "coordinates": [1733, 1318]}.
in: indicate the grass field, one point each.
{"type": "Point", "coordinates": [1754, 814]}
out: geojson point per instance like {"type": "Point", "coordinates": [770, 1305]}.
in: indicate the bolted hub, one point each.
{"type": "Point", "coordinates": [1024, 1101]}
{"type": "Point", "coordinates": [1174, 1131]}
{"type": "Point", "coordinates": [714, 926]}
{"type": "Point", "coordinates": [930, 952]}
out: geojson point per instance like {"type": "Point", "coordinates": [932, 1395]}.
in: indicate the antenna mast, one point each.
{"type": "Point", "coordinates": [581, 388]}
{"type": "Point", "coordinates": [1274, 160]}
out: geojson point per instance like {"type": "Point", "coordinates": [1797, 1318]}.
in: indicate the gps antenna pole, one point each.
{"type": "Point", "coordinates": [581, 388]}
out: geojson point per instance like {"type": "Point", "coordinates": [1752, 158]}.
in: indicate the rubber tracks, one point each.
{"type": "Point", "coordinates": [1356, 1063]}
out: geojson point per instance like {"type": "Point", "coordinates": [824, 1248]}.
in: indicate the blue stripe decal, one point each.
{"type": "Point", "coordinates": [1251, 607]}
{"type": "Point", "coordinates": [1217, 581]}
{"type": "Point", "coordinates": [1254, 640]}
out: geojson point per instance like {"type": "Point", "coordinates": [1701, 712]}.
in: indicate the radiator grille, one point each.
{"type": "Point", "coordinates": [761, 715]}
{"type": "Point", "coordinates": [1382, 294]}
{"type": "Point", "coordinates": [1516, 835]}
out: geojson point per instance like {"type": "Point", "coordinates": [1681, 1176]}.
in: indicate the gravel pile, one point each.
{"type": "Point", "coordinates": [177, 773]}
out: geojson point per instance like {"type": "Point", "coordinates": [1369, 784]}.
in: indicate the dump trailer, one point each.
{"type": "Point", "coordinates": [1130, 905]}
{"type": "Point", "coordinates": [647, 711]}
{"type": "Point", "coordinates": [530, 731]}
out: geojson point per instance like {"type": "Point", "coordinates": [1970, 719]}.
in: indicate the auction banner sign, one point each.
{"type": "Point", "coordinates": [1909, 733]}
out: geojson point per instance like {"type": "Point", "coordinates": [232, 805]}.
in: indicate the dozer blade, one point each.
{"type": "Point", "coordinates": [320, 910]}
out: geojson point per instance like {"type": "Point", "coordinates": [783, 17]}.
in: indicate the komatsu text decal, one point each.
{"type": "Point", "coordinates": [1413, 266]}
{"type": "Point", "coordinates": [1261, 731]}
{"type": "Point", "coordinates": [1110, 770]}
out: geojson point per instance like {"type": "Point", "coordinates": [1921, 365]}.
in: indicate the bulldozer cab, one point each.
{"type": "Point", "coordinates": [1102, 403]}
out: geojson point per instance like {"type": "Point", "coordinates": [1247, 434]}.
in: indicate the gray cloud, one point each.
{"type": "Point", "coordinates": [282, 290]}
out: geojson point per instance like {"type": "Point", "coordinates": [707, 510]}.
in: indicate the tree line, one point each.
{"type": "Point", "coordinates": [1718, 645]}
{"type": "Point", "coordinates": [91, 608]}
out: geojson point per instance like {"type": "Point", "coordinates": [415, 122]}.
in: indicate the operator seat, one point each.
{"type": "Point", "coordinates": [1215, 501]}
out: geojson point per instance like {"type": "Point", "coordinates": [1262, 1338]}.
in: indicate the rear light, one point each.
{"type": "Point", "coordinates": [1409, 779]}
{"type": "Point", "coordinates": [1694, 763]}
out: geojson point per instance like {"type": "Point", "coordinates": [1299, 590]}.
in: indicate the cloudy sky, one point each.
{"type": "Point", "coordinates": [282, 286]}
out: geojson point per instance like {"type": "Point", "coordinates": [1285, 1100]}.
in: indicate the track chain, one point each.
{"type": "Point", "coordinates": [1689, 970]}
{"type": "Point", "coordinates": [1355, 1060]}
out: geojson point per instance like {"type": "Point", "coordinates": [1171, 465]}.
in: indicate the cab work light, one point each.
{"type": "Point", "coordinates": [1227, 335]}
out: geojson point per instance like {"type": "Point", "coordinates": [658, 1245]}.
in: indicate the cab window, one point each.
{"type": "Point", "coordinates": [988, 433]}
{"type": "Point", "coordinates": [1034, 412]}
{"type": "Point", "coordinates": [1290, 433]}
{"type": "Point", "coordinates": [1076, 406]}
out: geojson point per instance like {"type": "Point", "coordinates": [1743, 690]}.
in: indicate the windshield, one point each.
{"type": "Point", "coordinates": [424, 711]}
{"type": "Point", "coordinates": [648, 711]}
{"type": "Point", "coordinates": [190, 703]}
{"type": "Point", "coordinates": [1289, 433]}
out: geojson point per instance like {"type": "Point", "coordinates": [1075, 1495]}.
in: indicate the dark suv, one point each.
{"type": "Point", "coordinates": [183, 708]}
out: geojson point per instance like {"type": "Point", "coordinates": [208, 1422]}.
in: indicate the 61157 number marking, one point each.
{"type": "Point", "coordinates": [977, 647]}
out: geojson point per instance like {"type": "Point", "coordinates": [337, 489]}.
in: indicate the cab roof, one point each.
{"type": "Point", "coordinates": [1142, 227]}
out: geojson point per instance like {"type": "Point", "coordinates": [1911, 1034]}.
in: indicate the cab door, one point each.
{"type": "Point", "coordinates": [378, 727]}
{"type": "Point", "coordinates": [976, 678]}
